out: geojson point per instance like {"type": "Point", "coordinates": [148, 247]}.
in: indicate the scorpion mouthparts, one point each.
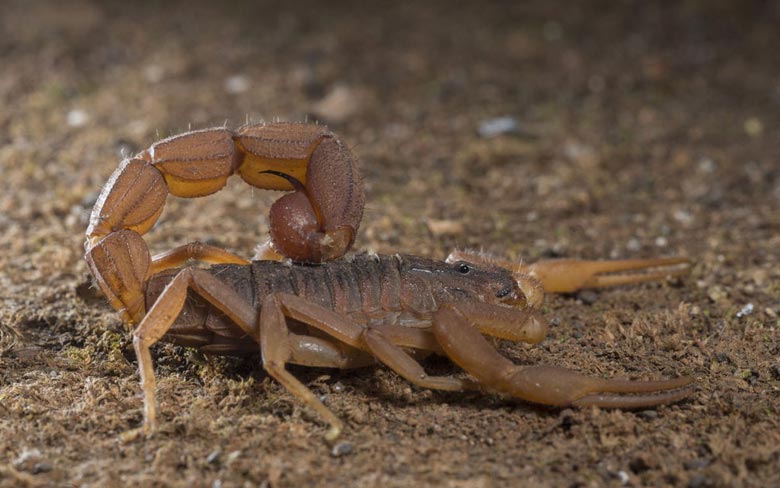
{"type": "Point", "coordinates": [504, 292]}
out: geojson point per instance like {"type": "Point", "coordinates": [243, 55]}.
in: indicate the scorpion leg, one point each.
{"type": "Point", "coordinates": [400, 361]}
{"type": "Point", "coordinates": [163, 313]}
{"type": "Point", "coordinates": [457, 328]}
{"type": "Point", "coordinates": [197, 251]}
{"type": "Point", "coordinates": [277, 349]}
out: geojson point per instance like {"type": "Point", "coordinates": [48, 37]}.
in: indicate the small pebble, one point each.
{"type": "Point", "coordinates": [716, 293]}
{"type": "Point", "coordinates": [42, 467]}
{"type": "Point", "coordinates": [445, 227]}
{"type": "Point", "coordinates": [497, 126]}
{"type": "Point", "coordinates": [697, 463]}
{"type": "Point", "coordinates": [639, 464]}
{"type": "Point", "coordinates": [213, 458]}
{"type": "Point", "coordinates": [32, 461]}
{"type": "Point", "coordinates": [745, 311]}
{"type": "Point", "coordinates": [341, 449]}
{"type": "Point", "coordinates": [153, 73]}
{"type": "Point", "coordinates": [706, 165]}
{"type": "Point", "coordinates": [683, 216]}
{"type": "Point", "coordinates": [338, 105]}
{"type": "Point", "coordinates": [648, 414]}
{"type": "Point", "coordinates": [237, 84]}
{"type": "Point", "coordinates": [623, 477]}
{"type": "Point", "coordinates": [588, 297]}
{"type": "Point", "coordinates": [232, 457]}
{"type": "Point", "coordinates": [775, 370]}
{"type": "Point", "coordinates": [753, 127]}
{"type": "Point", "coordinates": [77, 118]}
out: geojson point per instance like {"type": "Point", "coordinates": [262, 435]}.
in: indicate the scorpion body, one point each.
{"type": "Point", "coordinates": [318, 308]}
{"type": "Point", "coordinates": [369, 289]}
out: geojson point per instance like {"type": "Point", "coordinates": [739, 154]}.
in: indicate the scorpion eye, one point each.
{"type": "Point", "coordinates": [463, 268]}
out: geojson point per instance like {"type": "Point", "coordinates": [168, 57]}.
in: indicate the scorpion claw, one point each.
{"type": "Point", "coordinates": [570, 275]}
{"type": "Point", "coordinates": [552, 385]}
{"type": "Point", "coordinates": [613, 400]}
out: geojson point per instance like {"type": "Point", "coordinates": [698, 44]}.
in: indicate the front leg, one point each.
{"type": "Point", "coordinates": [457, 329]}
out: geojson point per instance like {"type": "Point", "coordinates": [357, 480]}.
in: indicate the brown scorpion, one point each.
{"type": "Point", "coordinates": [318, 308]}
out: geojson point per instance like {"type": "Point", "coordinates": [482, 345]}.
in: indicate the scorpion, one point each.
{"type": "Point", "coordinates": [302, 301]}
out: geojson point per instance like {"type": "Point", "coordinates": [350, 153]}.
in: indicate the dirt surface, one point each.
{"type": "Point", "coordinates": [638, 129]}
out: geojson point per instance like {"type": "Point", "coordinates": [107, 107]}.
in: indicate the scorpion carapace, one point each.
{"type": "Point", "coordinates": [326, 310]}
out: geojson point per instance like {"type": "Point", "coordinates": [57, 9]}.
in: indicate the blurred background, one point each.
{"type": "Point", "coordinates": [528, 129]}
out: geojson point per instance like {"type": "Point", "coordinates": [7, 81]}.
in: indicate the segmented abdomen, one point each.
{"type": "Point", "coordinates": [366, 284]}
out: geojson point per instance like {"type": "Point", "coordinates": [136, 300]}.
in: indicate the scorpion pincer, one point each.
{"type": "Point", "coordinates": [318, 308]}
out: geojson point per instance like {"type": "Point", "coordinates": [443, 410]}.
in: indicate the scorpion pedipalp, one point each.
{"type": "Point", "coordinates": [459, 328]}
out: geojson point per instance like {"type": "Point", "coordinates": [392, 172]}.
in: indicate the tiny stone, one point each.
{"type": "Point", "coordinates": [706, 165]}
{"type": "Point", "coordinates": [683, 216]}
{"type": "Point", "coordinates": [648, 414]}
{"type": "Point", "coordinates": [153, 73]}
{"type": "Point", "coordinates": [338, 105]}
{"type": "Point", "coordinates": [775, 370]}
{"type": "Point", "coordinates": [232, 457]}
{"type": "Point", "coordinates": [497, 126]}
{"type": "Point", "coordinates": [623, 477]}
{"type": "Point", "coordinates": [42, 467]}
{"type": "Point", "coordinates": [716, 293]}
{"type": "Point", "coordinates": [661, 241]}
{"type": "Point", "coordinates": [31, 460]}
{"type": "Point", "coordinates": [753, 127]}
{"type": "Point", "coordinates": [722, 357]}
{"type": "Point", "coordinates": [634, 244]}
{"type": "Point", "coordinates": [588, 297]}
{"type": "Point", "coordinates": [213, 458]}
{"type": "Point", "coordinates": [639, 465]}
{"type": "Point", "coordinates": [697, 463]}
{"type": "Point", "coordinates": [746, 310]}
{"type": "Point", "coordinates": [77, 118]}
{"type": "Point", "coordinates": [341, 449]}
{"type": "Point", "coordinates": [237, 84]}
{"type": "Point", "coordinates": [445, 227]}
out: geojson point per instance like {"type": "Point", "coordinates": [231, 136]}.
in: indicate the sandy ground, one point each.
{"type": "Point", "coordinates": [640, 129]}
